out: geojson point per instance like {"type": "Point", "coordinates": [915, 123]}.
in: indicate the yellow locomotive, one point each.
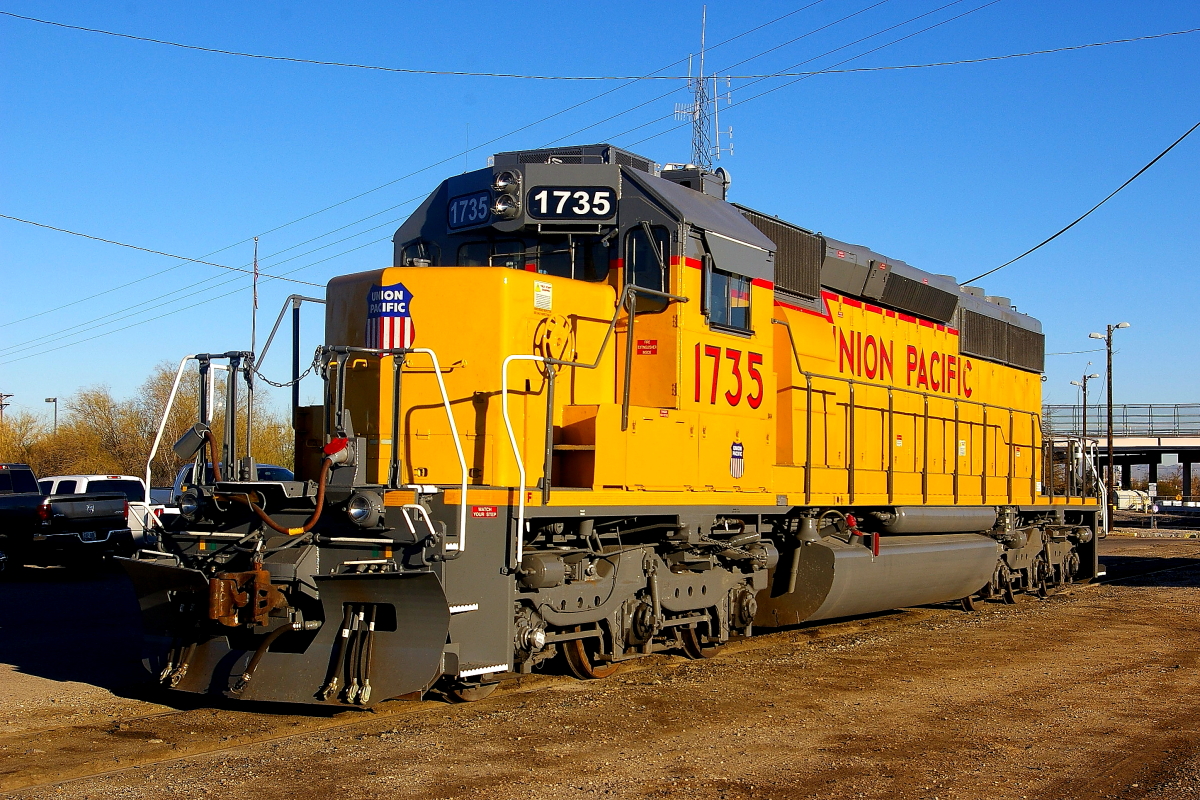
{"type": "Point", "coordinates": [595, 410]}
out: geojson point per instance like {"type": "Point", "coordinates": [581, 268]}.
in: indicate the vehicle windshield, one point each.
{"type": "Point", "coordinates": [131, 489]}
{"type": "Point", "coordinates": [267, 472]}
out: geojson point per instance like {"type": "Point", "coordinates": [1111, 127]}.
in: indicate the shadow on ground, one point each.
{"type": "Point", "coordinates": [73, 625]}
{"type": "Point", "coordinates": [1151, 570]}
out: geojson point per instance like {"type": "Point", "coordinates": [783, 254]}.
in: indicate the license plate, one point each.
{"type": "Point", "coordinates": [88, 536]}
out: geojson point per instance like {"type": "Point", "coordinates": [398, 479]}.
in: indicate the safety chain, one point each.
{"type": "Point", "coordinates": [316, 360]}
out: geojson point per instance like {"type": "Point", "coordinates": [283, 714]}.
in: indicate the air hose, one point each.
{"type": "Point", "coordinates": [336, 452]}
{"type": "Point", "coordinates": [216, 465]}
{"type": "Point", "coordinates": [312, 520]}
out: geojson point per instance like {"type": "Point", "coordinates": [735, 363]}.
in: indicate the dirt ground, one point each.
{"type": "Point", "coordinates": [1092, 693]}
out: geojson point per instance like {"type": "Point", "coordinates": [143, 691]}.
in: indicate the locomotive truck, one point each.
{"type": "Point", "coordinates": [594, 410]}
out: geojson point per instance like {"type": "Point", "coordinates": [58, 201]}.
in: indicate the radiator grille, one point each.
{"type": "Point", "coordinates": [919, 298]}
{"type": "Point", "coordinates": [985, 337]}
{"type": "Point", "coordinates": [798, 254]}
{"type": "Point", "coordinates": [1026, 349]}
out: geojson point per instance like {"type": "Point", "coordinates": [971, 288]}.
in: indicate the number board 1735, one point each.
{"type": "Point", "coordinates": [572, 202]}
{"type": "Point", "coordinates": [469, 210]}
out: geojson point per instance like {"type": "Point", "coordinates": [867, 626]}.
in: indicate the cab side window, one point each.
{"type": "Point", "coordinates": [727, 300]}
{"type": "Point", "coordinates": [647, 263]}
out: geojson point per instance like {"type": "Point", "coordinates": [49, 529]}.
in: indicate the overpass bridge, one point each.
{"type": "Point", "coordinates": [1151, 434]}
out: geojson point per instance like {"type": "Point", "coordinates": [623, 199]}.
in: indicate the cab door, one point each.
{"type": "Point", "coordinates": [651, 356]}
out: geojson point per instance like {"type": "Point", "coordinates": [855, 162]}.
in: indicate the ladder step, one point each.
{"type": "Point", "coordinates": [570, 447]}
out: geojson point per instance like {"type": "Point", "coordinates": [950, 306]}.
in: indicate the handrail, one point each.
{"type": "Point", "coordinates": [1035, 417]}
{"type": "Point", "coordinates": [162, 426]}
{"type": "Point", "coordinates": [462, 460]}
{"type": "Point", "coordinates": [512, 440]}
{"type": "Point", "coordinates": [401, 352]}
{"type": "Point", "coordinates": [628, 292]}
{"type": "Point", "coordinates": [295, 300]}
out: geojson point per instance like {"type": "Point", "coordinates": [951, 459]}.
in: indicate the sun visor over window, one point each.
{"type": "Point", "coordinates": [738, 257]}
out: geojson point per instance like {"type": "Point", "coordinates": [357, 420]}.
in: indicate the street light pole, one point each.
{"type": "Point", "coordinates": [55, 401]}
{"type": "Point", "coordinates": [1107, 337]}
{"type": "Point", "coordinates": [1082, 384]}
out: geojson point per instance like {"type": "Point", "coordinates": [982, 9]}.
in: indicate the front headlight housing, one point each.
{"type": "Point", "coordinates": [189, 506]}
{"type": "Point", "coordinates": [364, 509]}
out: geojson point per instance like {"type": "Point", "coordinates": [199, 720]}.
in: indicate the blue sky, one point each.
{"type": "Point", "coordinates": [952, 169]}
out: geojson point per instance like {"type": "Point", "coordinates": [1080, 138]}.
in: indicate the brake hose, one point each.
{"type": "Point", "coordinates": [216, 465]}
{"type": "Point", "coordinates": [312, 520]}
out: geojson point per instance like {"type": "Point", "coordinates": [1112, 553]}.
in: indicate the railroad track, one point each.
{"type": "Point", "coordinates": [68, 754]}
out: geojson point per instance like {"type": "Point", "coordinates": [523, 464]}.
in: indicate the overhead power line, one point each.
{"type": "Point", "coordinates": [1085, 214]}
{"type": "Point", "coordinates": [414, 173]}
{"type": "Point", "coordinates": [667, 94]}
{"type": "Point", "coordinates": [155, 252]}
{"type": "Point", "coordinates": [92, 336]}
{"type": "Point", "coordinates": [522, 76]}
{"type": "Point", "coordinates": [806, 76]}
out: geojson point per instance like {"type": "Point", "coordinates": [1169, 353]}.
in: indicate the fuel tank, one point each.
{"type": "Point", "coordinates": [936, 519]}
{"type": "Point", "coordinates": [836, 579]}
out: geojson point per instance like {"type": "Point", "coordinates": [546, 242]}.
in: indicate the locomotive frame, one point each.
{"type": "Point", "coordinates": [641, 418]}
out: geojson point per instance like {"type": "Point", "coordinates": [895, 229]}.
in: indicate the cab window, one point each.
{"type": "Point", "coordinates": [647, 263]}
{"type": "Point", "coordinates": [581, 257]}
{"type": "Point", "coordinates": [419, 253]}
{"type": "Point", "coordinates": [728, 300]}
{"type": "Point", "coordinates": [495, 254]}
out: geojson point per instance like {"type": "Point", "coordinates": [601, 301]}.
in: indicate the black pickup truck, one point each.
{"type": "Point", "coordinates": [58, 529]}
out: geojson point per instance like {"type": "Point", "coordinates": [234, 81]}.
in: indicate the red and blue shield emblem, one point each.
{"type": "Point", "coordinates": [389, 317]}
{"type": "Point", "coordinates": [737, 462]}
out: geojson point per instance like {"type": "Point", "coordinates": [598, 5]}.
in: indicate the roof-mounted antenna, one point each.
{"type": "Point", "coordinates": [702, 111]}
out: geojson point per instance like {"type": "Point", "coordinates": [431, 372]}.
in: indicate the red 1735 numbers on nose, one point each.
{"type": "Point", "coordinates": [737, 361]}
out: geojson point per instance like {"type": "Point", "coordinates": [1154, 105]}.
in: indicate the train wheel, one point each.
{"type": "Point", "coordinates": [580, 655]}
{"type": "Point", "coordinates": [1042, 570]}
{"type": "Point", "coordinates": [1010, 597]}
{"type": "Point", "coordinates": [694, 647]}
{"type": "Point", "coordinates": [470, 692]}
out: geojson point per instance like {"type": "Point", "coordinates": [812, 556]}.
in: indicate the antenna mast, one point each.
{"type": "Point", "coordinates": [702, 111]}
{"type": "Point", "coordinates": [701, 147]}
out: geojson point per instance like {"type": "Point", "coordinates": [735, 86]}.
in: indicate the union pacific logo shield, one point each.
{"type": "Point", "coordinates": [737, 461]}
{"type": "Point", "coordinates": [389, 317]}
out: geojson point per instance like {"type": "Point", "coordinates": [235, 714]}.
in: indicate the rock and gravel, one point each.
{"type": "Point", "coordinates": [1092, 693]}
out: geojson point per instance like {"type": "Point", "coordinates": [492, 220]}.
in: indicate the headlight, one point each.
{"type": "Point", "coordinates": [507, 182]}
{"type": "Point", "coordinates": [364, 509]}
{"type": "Point", "coordinates": [189, 505]}
{"type": "Point", "coordinates": [506, 207]}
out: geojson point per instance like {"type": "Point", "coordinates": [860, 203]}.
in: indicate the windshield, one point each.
{"type": "Point", "coordinates": [131, 489]}
{"type": "Point", "coordinates": [269, 473]}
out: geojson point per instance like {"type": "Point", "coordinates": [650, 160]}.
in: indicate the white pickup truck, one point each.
{"type": "Point", "coordinates": [143, 517]}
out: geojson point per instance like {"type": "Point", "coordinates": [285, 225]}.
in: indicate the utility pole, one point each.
{"type": "Point", "coordinates": [3, 405]}
{"type": "Point", "coordinates": [55, 401]}
{"type": "Point", "coordinates": [1112, 489]}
